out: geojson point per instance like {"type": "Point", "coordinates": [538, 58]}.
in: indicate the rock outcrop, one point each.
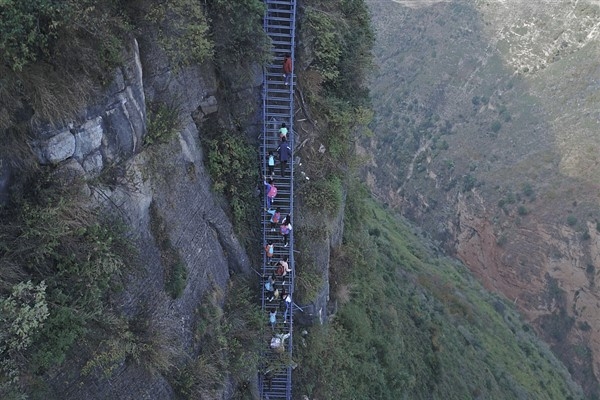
{"type": "Point", "coordinates": [166, 184]}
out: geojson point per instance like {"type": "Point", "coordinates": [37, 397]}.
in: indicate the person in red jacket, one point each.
{"type": "Point", "coordinates": [287, 68]}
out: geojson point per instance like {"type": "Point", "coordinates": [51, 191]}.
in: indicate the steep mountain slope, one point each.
{"type": "Point", "coordinates": [415, 325]}
{"type": "Point", "coordinates": [118, 258]}
{"type": "Point", "coordinates": [486, 135]}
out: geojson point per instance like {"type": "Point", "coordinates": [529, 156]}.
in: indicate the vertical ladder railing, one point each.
{"type": "Point", "coordinates": [275, 379]}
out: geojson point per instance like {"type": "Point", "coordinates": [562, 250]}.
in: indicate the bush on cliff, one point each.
{"type": "Point", "coordinates": [60, 264]}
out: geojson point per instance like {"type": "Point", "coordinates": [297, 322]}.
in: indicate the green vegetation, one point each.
{"type": "Point", "coordinates": [323, 196]}
{"type": "Point", "coordinates": [163, 123]}
{"type": "Point", "coordinates": [333, 92]}
{"type": "Point", "coordinates": [496, 126]}
{"type": "Point", "coordinates": [146, 340]}
{"type": "Point", "coordinates": [418, 326]}
{"type": "Point", "coordinates": [229, 342]}
{"type": "Point", "coordinates": [308, 282]}
{"type": "Point", "coordinates": [238, 33]}
{"type": "Point", "coordinates": [572, 220]}
{"type": "Point", "coordinates": [22, 39]}
{"type": "Point", "coordinates": [469, 182]}
{"type": "Point", "coordinates": [528, 191]}
{"type": "Point", "coordinates": [60, 264]}
{"type": "Point", "coordinates": [54, 54]}
{"type": "Point", "coordinates": [182, 31]}
{"type": "Point", "coordinates": [231, 161]}
{"type": "Point", "coordinates": [36, 30]}
{"type": "Point", "coordinates": [522, 210]}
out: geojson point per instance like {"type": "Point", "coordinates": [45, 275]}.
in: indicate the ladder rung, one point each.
{"type": "Point", "coordinates": [286, 27]}
{"type": "Point", "coordinates": [272, 10]}
{"type": "Point", "coordinates": [284, 19]}
{"type": "Point", "coordinates": [290, 3]}
{"type": "Point", "coordinates": [281, 42]}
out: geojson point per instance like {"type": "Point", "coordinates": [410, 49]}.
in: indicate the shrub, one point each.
{"type": "Point", "coordinates": [325, 43]}
{"type": "Point", "coordinates": [77, 258]}
{"type": "Point", "coordinates": [231, 162]}
{"type": "Point", "coordinates": [341, 41]}
{"type": "Point", "coordinates": [183, 31]}
{"type": "Point", "coordinates": [237, 27]}
{"type": "Point", "coordinates": [528, 190]}
{"type": "Point", "coordinates": [55, 54]}
{"type": "Point", "coordinates": [23, 313]}
{"type": "Point", "coordinates": [572, 220]}
{"type": "Point", "coordinates": [585, 235]}
{"type": "Point", "coordinates": [163, 123]}
{"type": "Point", "coordinates": [522, 210]}
{"type": "Point", "coordinates": [309, 282]}
{"type": "Point", "coordinates": [230, 343]}
{"type": "Point", "coordinates": [323, 196]}
{"type": "Point", "coordinates": [469, 182]}
{"type": "Point", "coordinates": [147, 339]}
{"type": "Point", "coordinates": [177, 281]}
{"type": "Point", "coordinates": [27, 29]}
{"type": "Point", "coordinates": [496, 126]}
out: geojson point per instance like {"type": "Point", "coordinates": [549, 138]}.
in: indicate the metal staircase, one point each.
{"type": "Point", "coordinates": [275, 377]}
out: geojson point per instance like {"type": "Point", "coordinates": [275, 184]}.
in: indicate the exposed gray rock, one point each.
{"type": "Point", "coordinates": [71, 173]}
{"type": "Point", "coordinates": [209, 105]}
{"type": "Point", "coordinates": [172, 179]}
{"type": "Point", "coordinates": [88, 137]}
{"type": "Point", "coordinates": [116, 125]}
{"type": "Point", "coordinates": [56, 149]}
{"type": "Point", "coordinates": [5, 181]}
{"type": "Point", "coordinates": [119, 141]}
{"type": "Point", "coordinates": [242, 77]}
{"type": "Point", "coordinates": [93, 164]}
{"type": "Point", "coordinates": [118, 84]}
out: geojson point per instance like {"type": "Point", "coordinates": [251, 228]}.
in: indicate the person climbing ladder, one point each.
{"type": "Point", "coordinates": [287, 69]}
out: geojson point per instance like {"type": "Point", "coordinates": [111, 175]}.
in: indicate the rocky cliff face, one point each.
{"type": "Point", "coordinates": [162, 185]}
{"type": "Point", "coordinates": [487, 136]}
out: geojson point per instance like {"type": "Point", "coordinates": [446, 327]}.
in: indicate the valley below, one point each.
{"type": "Point", "coordinates": [486, 135]}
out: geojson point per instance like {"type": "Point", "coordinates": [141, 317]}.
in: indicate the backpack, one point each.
{"type": "Point", "coordinates": [272, 192]}
{"type": "Point", "coordinates": [269, 250]}
{"type": "Point", "coordinates": [275, 218]}
{"type": "Point", "coordinates": [280, 270]}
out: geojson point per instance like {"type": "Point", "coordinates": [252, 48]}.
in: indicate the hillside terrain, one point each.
{"type": "Point", "coordinates": [129, 192]}
{"type": "Point", "coordinates": [486, 135]}
{"type": "Point", "coordinates": [412, 323]}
